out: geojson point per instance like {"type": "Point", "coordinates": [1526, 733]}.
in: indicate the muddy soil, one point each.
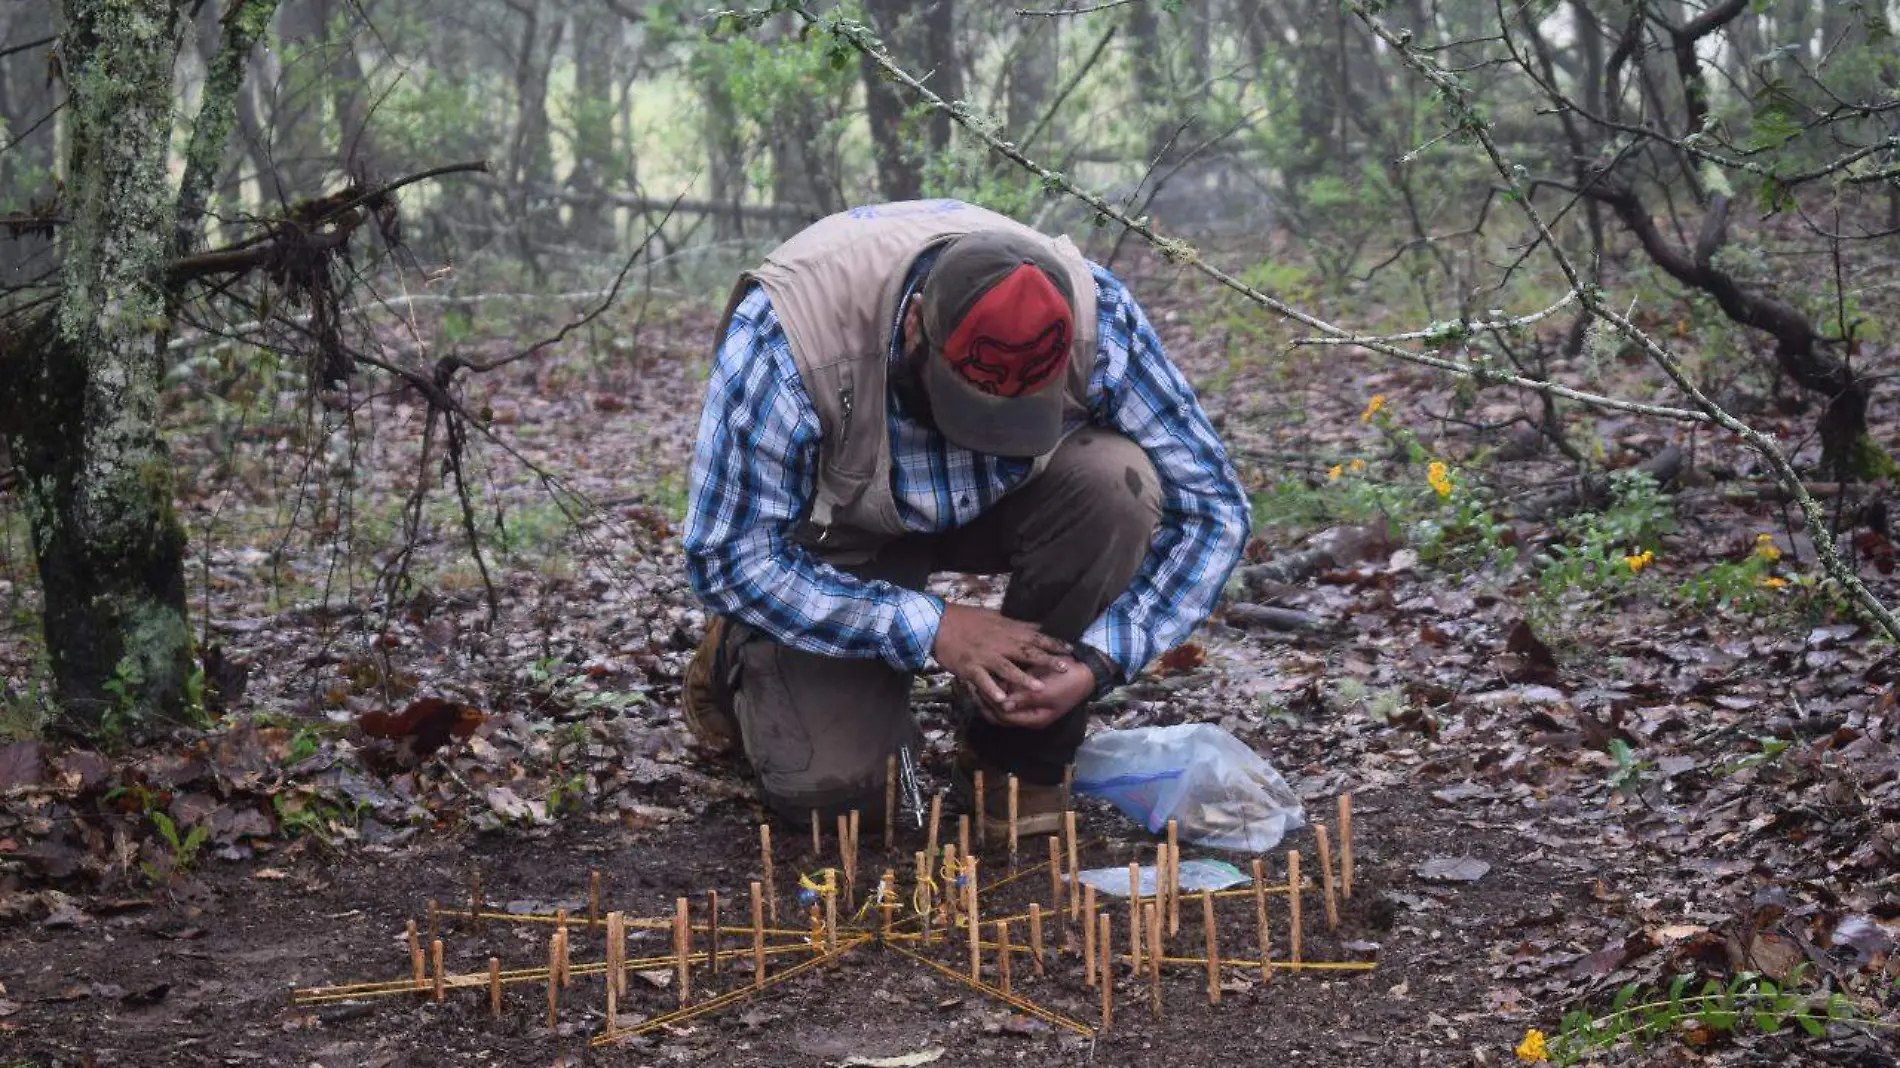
{"type": "Point", "coordinates": [208, 981]}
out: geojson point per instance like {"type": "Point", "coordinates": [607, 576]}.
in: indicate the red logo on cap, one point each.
{"type": "Point", "coordinates": [1005, 370]}
{"type": "Point", "coordinates": [1014, 337]}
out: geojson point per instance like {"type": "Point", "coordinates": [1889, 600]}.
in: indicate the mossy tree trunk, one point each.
{"type": "Point", "coordinates": [79, 385]}
{"type": "Point", "coordinates": [98, 479]}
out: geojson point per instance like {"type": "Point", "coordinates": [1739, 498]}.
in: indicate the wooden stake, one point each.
{"type": "Point", "coordinates": [415, 956]}
{"type": "Point", "coordinates": [593, 901]}
{"type": "Point", "coordinates": [475, 900]}
{"type": "Point", "coordinates": [982, 815]}
{"type": "Point", "coordinates": [435, 918]}
{"type": "Point", "coordinates": [758, 934]}
{"type": "Point", "coordinates": [1035, 936]}
{"type": "Point", "coordinates": [435, 962]}
{"type": "Point", "coordinates": [617, 953]}
{"type": "Point", "coordinates": [1055, 874]}
{"type": "Point", "coordinates": [560, 928]}
{"type": "Point", "coordinates": [1345, 845]}
{"type": "Point", "coordinates": [712, 932]}
{"type": "Point", "coordinates": [887, 898]}
{"type": "Point", "coordinates": [890, 802]}
{"type": "Point", "coordinates": [844, 845]}
{"type": "Point", "coordinates": [1003, 953]}
{"type": "Point", "coordinates": [1013, 813]}
{"type": "Point", "coordinates": [963, 835]}
{"type": "Point", "coordinates": [1105, 939]}
{"type": "Point", "coordinates": [1293, 904]}
{"type": "Point", "coordinates": [936, 821]}
{"type": "Point", "coordinates": [613, 981]}
{"type": "Point", "coordinates": [1260, 919]}
{"type": "Point", "coordinates": [923, 890]}
{"type": "Point", "coordinates": [1075, 869]}
{"type": "Point", "coordinates": [831, 912]}
{"type": "Point", "coordinates": [952, 897]}
{"type": "Point", "coordinates": [1134, 916]}
{"type": "Point", "coordinates": [1174, 878]}
{"type": "Point", "coordinates": [971, 919]}
{"type": "Point", "coordinates": [1161, 886]}
{"type": "Point", "coordinates": [1326, 875]}
{"type": "Point", "coordinates": [765, 860]}
{"type": "Point", "coordinates": [1213, 947]}
{"type": "Point", "coordinates": [554, 978]}
{"type": "Point", "coordinates": [494, 991]}
{"type": "Point", "coordinates": [1089, 945]}
{"type": "Point", "coordinates": [683, 947]}
{"type": "Point", "coordinates": [1151, 914]}
{"type": "Point", "coordinates": [817, 843]}
{"type": "Point", "coordinates": [1068, 786]}
{"type": "Point", "coordinates": [851, 873]}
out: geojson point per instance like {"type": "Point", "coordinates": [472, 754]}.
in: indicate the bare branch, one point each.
{"type": "Point", "coordinates": [1087, 9]}
{"type": "Point", "coordinates": [1456, 98]}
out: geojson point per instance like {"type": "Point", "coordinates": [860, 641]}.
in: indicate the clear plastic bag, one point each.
{"type": "Point", "coordinates": [1223, 794]}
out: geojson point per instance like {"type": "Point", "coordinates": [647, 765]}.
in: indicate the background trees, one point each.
{"type": "Point", "coordinates": [1730, 165]}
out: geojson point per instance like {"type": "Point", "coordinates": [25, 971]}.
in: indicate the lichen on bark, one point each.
{"type": "Point", "coordinates": [99, 479]}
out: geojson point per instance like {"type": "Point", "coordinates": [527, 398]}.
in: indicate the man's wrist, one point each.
{"type": "Point", "coordinates": [1103, 671]}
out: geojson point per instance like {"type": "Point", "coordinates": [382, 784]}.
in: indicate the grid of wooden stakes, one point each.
{"type": "Point", "coordinates": [933, 905]}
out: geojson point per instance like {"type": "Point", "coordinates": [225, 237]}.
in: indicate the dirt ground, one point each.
{"type": "Point", "coordinates": [208, 982]}
{"type": "Point", "coordinates": [1652, 789]}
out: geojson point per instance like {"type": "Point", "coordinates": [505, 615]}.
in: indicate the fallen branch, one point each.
{"type": "Point", "coordinates": [1592, 489]}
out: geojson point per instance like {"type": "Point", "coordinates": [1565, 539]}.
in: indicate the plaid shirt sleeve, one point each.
{"type": "Point", "coordinates": [754, 471]}
{"type": "Point", "coordinates": [1204, 513]}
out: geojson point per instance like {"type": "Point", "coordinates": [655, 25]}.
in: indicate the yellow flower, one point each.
{"type": "Point", "coordinates": [1356, 466]}
{"type": "Point", "coordinates": [1765, 547]}
{"type": "Point", "coordinates": [1773, 582]}
{"type": "Point", "coordinates": [1439, 477]}
{"type": "Point", "coordinates": [1640, 561]}
{"type": "Point", "coordinates": [1333, 473]}
{"type": "Point", "coordinates": [1372, 408]}
{"type": "Point", "coordinates": [1532, 1050]}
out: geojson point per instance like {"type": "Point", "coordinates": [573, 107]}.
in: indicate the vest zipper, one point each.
{"type": "Point", "coordinates": [844, 441]}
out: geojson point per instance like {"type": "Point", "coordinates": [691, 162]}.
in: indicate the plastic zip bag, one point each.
{"type": "Point", "coordinates": [1222, 794]}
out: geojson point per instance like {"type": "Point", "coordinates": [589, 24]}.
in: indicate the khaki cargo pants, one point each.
{"type": "Point", "coordinates": [818, 729]}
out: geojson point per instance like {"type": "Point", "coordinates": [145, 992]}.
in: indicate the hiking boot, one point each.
{"type": "Point", "coordinates": [1039, 808]}
{"type": "Point", "coordinates": [705, 696]}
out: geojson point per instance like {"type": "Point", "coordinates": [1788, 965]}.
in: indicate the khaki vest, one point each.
{"type": "Point", "coordinates": [835, 287]}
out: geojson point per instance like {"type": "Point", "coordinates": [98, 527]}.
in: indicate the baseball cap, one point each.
{"type": "Point", "coordinates": [999, 317]}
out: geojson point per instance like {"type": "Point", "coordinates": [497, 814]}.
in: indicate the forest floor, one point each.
{"type": "Point", "coordinates": [1574, 771]}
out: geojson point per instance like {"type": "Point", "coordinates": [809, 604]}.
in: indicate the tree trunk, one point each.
{"type": "Point", "coordinates": [26, 168]}
{"type": "Point", "coordinates": [596, 42]}
{"type": "Point", "coordinates": [898, 172]}
{"type": "Point", "coordinates": [531, 161]}
{"type": "Point", "coordinates": [300, 155]}
{"type": "Point", "coordinates": [83, 426]}
{"type": "Point", "coordinates": [725, 150]}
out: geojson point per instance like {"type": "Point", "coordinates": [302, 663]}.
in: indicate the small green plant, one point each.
{"type": "Point", "coordinates": [1769, 751]}
{"type": "Point", "coordinates": [26, 707]}
{"type": "Point", "coordinates": [1627, 777]}
{"type": "Point", "coordinates": [1604, 553]}
{"type": "Point", "coordinates": [556, 683]}
{"type": "Point", "coordinates": [567, 792]}
{"type": "Point", "coordinates": [1747, 1001]}
{"type": "Point", "coordinates": [1746, 586]}
{"type": "Point", "coordinates": [184, 848]}
{"type": "Point", "coordinates": [303, 745]}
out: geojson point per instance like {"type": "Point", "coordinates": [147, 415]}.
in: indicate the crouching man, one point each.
{"type": "Point", "coordinates": [928, 386]}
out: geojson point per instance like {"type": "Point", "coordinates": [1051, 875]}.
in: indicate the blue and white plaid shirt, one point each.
{"type": "Point", "coordinates": [755, 468]}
